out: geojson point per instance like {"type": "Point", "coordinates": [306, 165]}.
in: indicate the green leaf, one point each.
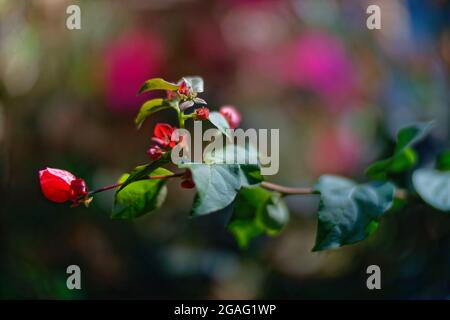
{"type": "Point", "coordinates": [404, 156]}
{"type": "Point", "coordinates": [257, 212]}
{"type": "Point", "coordinates": [433, 186]}
{"type": "Point", "coordinates": [157, 84]}
{"type": "Point", "coordinates": [220, 122]}
{"type": "Point", "coordinates": [245, 223]}
{"type": "Point", "coordinates": [218, 184]}
{"type": "Point", "coordinates": [140, 197]}
{"type": "Point", "coordinates": [250, 174]}
{"type": "Point", "coordinates": [150, 107]}
{"type": "Point", "coordinates": [405, 160]}
{"type": "Point", "coordinates": [348, 212]}
{"type": "Point", "coordinates": [142, 171]}
{"type": "Point", "coordinates": [443, 161]}
{"type": "Point", "coordinates": [245, 230]}
{"type": "Point", "coordinates": [412, 134]}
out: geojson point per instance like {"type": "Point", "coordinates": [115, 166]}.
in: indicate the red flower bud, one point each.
{"type": "Point", "coordinates": [201, 113]}
{"type": "Point", "coordinates": [232, 116]}
{"type": "Point", "coordinates": [187, 182]}
{"type": "Point", "coordinates": [154, 152]}
{"type": "Point", "coordinates": [60, 186]}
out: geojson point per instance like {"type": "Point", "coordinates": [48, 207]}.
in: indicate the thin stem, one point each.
{"type": "Point", "coordinates": [181, 120]}
{"type": "Point", "coordinates": [180, 116]}
{"type": "Point", "coordinates": [112, 186]}
{"type": "Point", "coordinates": [401, 194]}
{"type": "Point", "coordinates": [287, 190]}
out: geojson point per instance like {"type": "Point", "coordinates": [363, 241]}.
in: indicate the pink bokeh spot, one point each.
{"type": "Point", "coordinates": [129, 60]}
{"type": "Point", "coordinates": [319, 62]}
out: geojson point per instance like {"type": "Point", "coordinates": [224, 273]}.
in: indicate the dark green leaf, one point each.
{"type": "Point", "coordinates": [157, 84]}
{"type": "Point", "coordinates": [250, 174]}
{"type": "Point", "coordinates": [348, 212]}
{"type": "Point", "coordinates": [433, 186]}
{"type": "Point", "coordinates": [404, 156]}
{"type": "Point", "coordinates": [398, 163]}
{"type": "Point", "coordinates": [217, 182]}
{"type": "Point", "coordinates": [410, 135]}
{"type": "Point", "coordinates": [216, 186]}
{"type": "Point", "coordinates": [443, 161]}
{"type": "Point", "coordinates": [140, 197]}
{"type": "Point", "coordinates": [142, 171]}
{"type": "Point", "coordinates": [150, 107]}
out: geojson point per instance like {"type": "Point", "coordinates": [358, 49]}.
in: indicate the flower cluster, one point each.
{"type": "Point", "coordinates": [188, 94]}
{"type": "Point", "coordinates": [61, 186]}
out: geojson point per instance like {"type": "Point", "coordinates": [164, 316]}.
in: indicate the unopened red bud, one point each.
{"type": "Point", "coordinates": [154, 152]}
{"type": "Point", "coordinates": [60, 186]}
{"type": "Point", "coordinates": [201, 113]}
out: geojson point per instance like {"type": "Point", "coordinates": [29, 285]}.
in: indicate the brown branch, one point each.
{"type": "Point", "coordinates": [287, 190]}
{"type": "Point", "coordinates": [401, 194]}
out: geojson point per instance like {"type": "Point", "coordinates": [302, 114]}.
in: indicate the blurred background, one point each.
{"type": "Point", "coordinates": [337, 91]}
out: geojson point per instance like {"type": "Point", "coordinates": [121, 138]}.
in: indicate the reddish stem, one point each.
{"type": "Point", "coordinates": [112, 186]}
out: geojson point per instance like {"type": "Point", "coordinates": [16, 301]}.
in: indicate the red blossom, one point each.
{"type": "Point", "coordinates": [232, 116]}
{"type": "Point", "coordinates": [201, 113]}
{"type": "Point", "coordinates": [162, 135]}
{"type": "Point", "coordinates": [60, 186]}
